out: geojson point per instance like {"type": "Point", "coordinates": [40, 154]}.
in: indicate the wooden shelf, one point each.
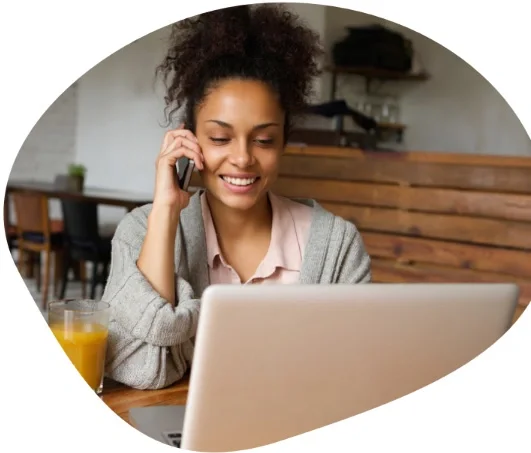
{"type": "Point", "coordinates": [386, 131]}
{"type": "Point", "coordinates": [371, 74]}
{"type": "Point", "coordinates": [392, 126]}
{"type": "Point", "coordinates": [382, 74]}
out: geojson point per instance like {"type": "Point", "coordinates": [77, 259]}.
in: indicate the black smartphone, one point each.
{"type": "Point", "coordinates": [185, 168]}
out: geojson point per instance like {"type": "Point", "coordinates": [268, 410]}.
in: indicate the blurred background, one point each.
{"type": "Point", "coordinates": [91, 155]}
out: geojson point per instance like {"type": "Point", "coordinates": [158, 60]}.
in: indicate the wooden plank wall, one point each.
{"type": "Point", "coordinates": [433, 217]}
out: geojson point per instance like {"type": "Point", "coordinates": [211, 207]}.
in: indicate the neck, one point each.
{"type": "Point", "coordinates": [236, 224]}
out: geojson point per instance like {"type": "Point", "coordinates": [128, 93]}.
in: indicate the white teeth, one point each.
{"type": "Point", "coordinates": [239, 181]}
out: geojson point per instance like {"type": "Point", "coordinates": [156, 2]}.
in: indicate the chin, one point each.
{"type": "Point", "coordinates": [239, 203]}
{"type": "Point", "coordinates": [238, 198]}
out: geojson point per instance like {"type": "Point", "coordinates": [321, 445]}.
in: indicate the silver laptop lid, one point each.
{"type": "Point", "coordinates": [272, 362]}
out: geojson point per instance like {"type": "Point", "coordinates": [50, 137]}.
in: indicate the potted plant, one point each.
{"type": "Point", "coordinates": [76, 175]}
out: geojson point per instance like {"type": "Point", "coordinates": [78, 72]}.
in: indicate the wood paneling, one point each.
{"type": "Point", "coordinates": [388, 271]}
{"type": "Point", "coordinates": [391, 171]}
{"type": "Point", "coordinates": [437, 226]}
{"type": "Point", "coordinates": [426, 199]}
{"type": "Point", "coordinates": [405, 249]}
{"type": "Point", "coordinates": [411, 156]}
{"type": "Point", "coordinates": [518, 312]}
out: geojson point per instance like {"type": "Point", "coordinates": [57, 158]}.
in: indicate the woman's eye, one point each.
{"type": "Point", "coordinates": [268, 141]}
{"type": "Point", "coordinates": [219, 139]}
{"type": "Point", "coordinates": [223, 140]}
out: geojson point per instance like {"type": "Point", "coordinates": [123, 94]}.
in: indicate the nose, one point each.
{"type": "Point", "coordinates": [242, 155]}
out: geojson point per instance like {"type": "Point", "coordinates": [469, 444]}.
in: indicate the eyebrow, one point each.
{"type": "Point", "coordinates": [228, 126]}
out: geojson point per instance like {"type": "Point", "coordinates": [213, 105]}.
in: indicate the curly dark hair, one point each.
{"type": "Point", "coordinates": [265, 43]}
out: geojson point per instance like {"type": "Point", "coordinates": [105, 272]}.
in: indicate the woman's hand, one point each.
{"type": "Point", "coordinates": [177, 143]}
{"type": "Point", "coordinates": [156, 260]}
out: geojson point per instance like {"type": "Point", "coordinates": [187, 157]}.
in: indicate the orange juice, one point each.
{"type": "Point", "coordinates": [85, 345]}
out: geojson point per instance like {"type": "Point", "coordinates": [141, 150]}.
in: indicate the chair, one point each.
{"type": "Point", "coordinates": [36, 234]}
{"type": "Point", "coordinates": [84, 243]}
{"type": "Point", "coordinates": [11, 233]}
{"type": "Point", "coordinates": [62, 182]}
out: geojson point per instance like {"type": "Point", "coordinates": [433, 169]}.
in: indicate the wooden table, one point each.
{"type": "Point", "coordinates": [128, 200]}
{"type": "Point", "coordinates": [121, 398]}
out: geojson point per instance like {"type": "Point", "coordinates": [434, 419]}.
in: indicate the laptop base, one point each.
{"type": "Point", "coordinates": [162, 423]}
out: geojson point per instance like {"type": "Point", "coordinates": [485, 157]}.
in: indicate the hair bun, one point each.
{"type": "Point", "coordinates": [225, 32]}
{"type": "Point", "coordinates": [264, 42]}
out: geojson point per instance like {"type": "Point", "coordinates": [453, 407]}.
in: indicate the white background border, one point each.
{"type": "Point", "coordinates": [46, 46]}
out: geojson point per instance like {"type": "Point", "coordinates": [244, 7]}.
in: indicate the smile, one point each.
{"type": "Point", "coordinates": [239, 181]}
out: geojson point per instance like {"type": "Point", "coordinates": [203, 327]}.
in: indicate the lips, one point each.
{"type": "Point", "coordinates": [240, 184]}
{"type": "Point", "coordinates": [240, 181]}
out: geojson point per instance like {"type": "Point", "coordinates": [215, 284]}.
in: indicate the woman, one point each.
{"type": "Point", "coordinates": [240, 74]}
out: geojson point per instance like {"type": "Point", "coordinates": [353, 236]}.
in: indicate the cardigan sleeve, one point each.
{"type": "Point", "coordinates": [150, 341]}
{"type": "Point", "coordinates": [352, 263]}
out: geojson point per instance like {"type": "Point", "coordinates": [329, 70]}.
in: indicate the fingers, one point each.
{"type": "Point", "coordinates": [175, 153]}
{"type": "Point", "coordinates": [183, 141]}
{"type": "Point", "coordinates": [186, 145]}
{"type": "Point", "coordinates": [170, 136]}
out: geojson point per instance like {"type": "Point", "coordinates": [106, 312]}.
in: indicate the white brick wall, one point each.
{"type": "Point", "coordinates": [51, 145]}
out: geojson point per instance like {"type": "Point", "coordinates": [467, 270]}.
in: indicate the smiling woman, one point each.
{"type": "Point", "coordinates": [237, 76]}
{"type": "Point", "coordinates": [240, 130]}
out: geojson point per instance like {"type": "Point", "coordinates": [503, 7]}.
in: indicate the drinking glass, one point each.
{"type": "Point", "coordinates": [81, 328]}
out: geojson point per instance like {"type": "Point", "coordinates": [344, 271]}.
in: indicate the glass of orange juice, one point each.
{"type": "Point", "coordinates": [81, 328]}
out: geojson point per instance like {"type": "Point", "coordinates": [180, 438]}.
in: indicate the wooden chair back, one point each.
{"type": "Point", "coordinates": [32, 213]}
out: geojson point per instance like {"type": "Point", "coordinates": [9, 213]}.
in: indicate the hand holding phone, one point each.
{"type": "Point", "coordinates": [180, 153]}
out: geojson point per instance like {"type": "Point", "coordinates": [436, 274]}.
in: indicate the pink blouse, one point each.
{"type": "Point", "coordinates": [282, 263]}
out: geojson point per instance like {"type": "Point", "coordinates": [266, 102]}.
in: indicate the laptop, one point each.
{"type": "Point", "coordinates": [272, 362]}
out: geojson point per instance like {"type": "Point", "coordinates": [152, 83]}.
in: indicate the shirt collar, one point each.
{"type": "Point", "coordinates": [284, 249]}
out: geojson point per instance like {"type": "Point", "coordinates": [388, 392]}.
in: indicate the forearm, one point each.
{"type": "Point", "coordinates": [142, 365]}
{"type": "Point", "coordinates": [140, 310]}
{"type": "Point", "coordinates": [156, 260]}
{"type": "Point", "coordinates": [144, 326]}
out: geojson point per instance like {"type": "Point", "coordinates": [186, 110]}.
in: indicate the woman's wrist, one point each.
{"type": "Point", "coordinates": [163, 218]}
{"type": "Point", "coordinates": [156, 260]}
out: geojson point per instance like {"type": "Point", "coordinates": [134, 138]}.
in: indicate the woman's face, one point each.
{"type": "Point", "coordinates": [240, 128]}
